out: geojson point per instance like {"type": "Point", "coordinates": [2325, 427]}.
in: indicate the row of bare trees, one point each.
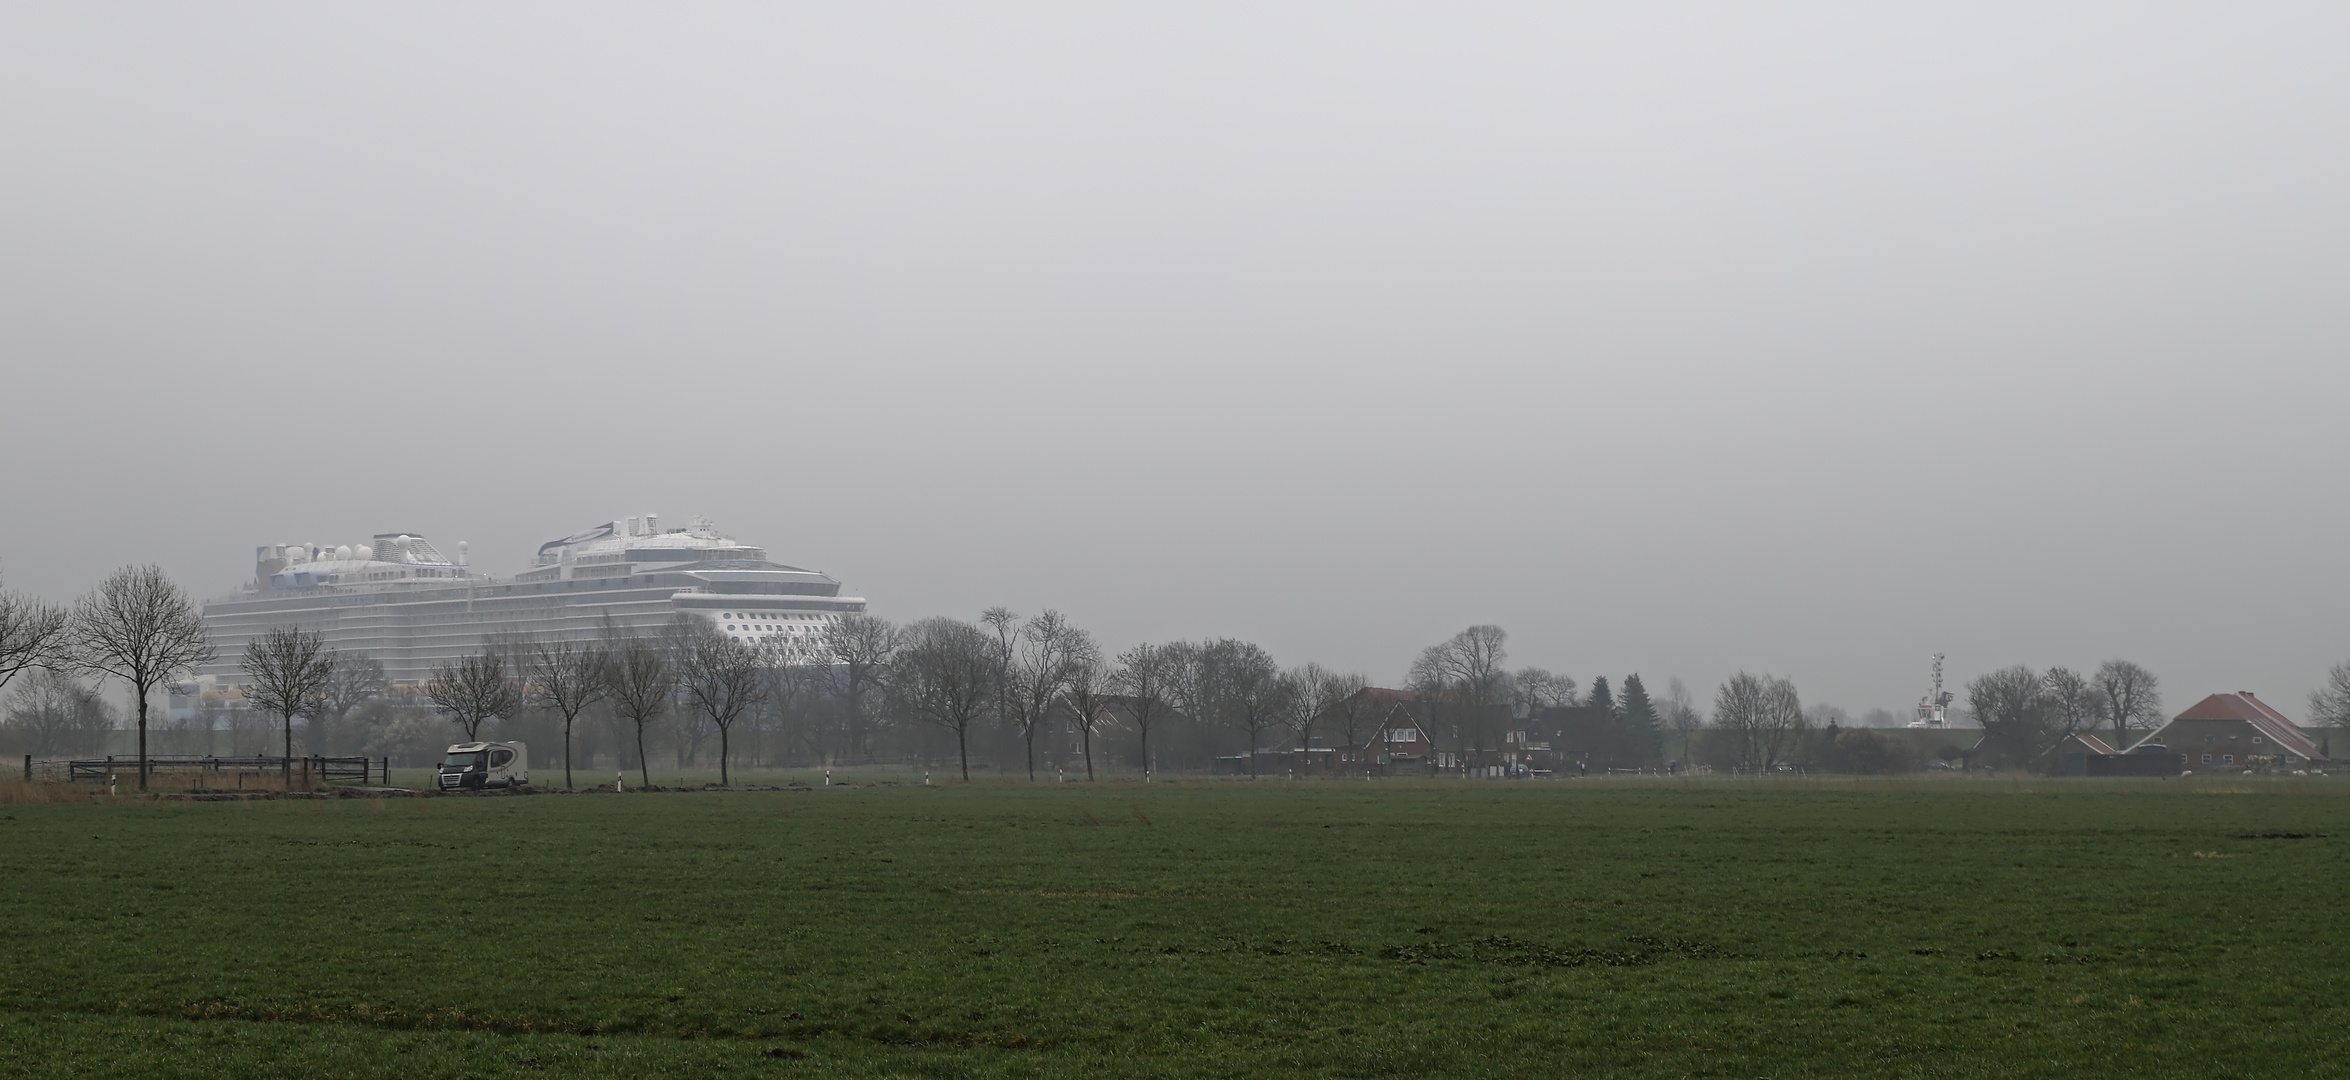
{"type": "Point", "coordinates": [141, 628]}
{"type": "Point", "coordinates": [686, 669]}
{"type": "Point", "coordinates": [137, 626]}
{"type": "Point", "coordinates": [1026, 675]}
{"type": "Point", "coordinates": [2025, 713]}
{"type": "Point", "coordinates": [687, 666]}
{"type": "Point", "coordinates": [1020, 676]}
{"type": "Point", "coordinates": [54, 714]}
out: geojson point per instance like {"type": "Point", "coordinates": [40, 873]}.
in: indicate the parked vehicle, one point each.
{"type": "Point", "coordinates": [485, 765]}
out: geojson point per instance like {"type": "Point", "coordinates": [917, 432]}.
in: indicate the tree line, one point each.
{"type": "Point", "coordinates": [863, 679]}
{"type": "Point", "coordinates": [2024, 713]}
{"type": "Point", "coordinates": [137, 626]}
{"type": "Point", "coordinates": [863, 689]}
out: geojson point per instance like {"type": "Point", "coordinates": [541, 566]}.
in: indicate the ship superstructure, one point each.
{"type": "Point", "coordinates": [1934, 708]}
{"type": "Point", "coordinates": [403, 602]}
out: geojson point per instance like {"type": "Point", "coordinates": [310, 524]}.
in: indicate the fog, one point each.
{"type": "Point", "coordinates": [1675, 339]}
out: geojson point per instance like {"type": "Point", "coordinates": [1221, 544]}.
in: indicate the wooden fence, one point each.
{"type": "Point", "coordinates": [305, 770]}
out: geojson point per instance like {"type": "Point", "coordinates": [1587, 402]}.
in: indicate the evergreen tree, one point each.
{"type": "Point", "coordinates": [1600, 698]}
{"type": "Point", "coordinates": [1643, 728]}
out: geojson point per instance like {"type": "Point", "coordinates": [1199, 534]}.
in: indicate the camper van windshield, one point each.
{"type": "Point", "coordinates": [471, 758]}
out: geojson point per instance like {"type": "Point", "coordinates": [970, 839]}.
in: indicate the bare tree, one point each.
{"type": "Point", "coordinates": [722, 679]}
{"type": "Point", "coordinates": [1247, 687]}
{"type": "Point", "coordinates": [2022, 717]}
{"type": "Point", "coordinates": [52, 714]}
{"type": "Point", "coordinates": [1142, 679]}
{"type": "Point", "coordinates": [1043, 651]}
{"type": "Point", "coordinates": [1764, 714]}
{"type": "Point", "coordinates": [474, 688]}
{"type": "Point", "coordinates": [2074, 703]}
{"type": "Point", "coordinates": [859, 647]}
{"type": "Point", "coordinates": [287, 673]}
{"type": "Point", "coordinates": [1087, 692]}
{"type": "Point", "coordinates": [1355, 712]}
{"type": "Point", "coordinates": [798, 684]}
{"type": "Point", "coordinates": [1782, 724]}
{"type": "Point", "coordinates": [640, 675]}
{"type": "Point", "coordinates": [1312, 691]}
{"type": "Point", "coordinates": [1005, 626]}
{"type": "Point", "coordinates": [2128, 696]}
{"type": "Point", "coordinates": [945, 674]}
{"type": "Point", "coordinates": [1339, 687]}
{"type": "Point", "coordinates": [1187, 680]}
{"type": "Point", "coordinates": [567, 676]}
{"type": "Point", "coordinates": [1534, 689]}
{"type": "Point", "coordinates": [357, 677]}
{"type": "Point", "coordinates": [1464, 677]}
{"type": "Point", "coordinates": [2330, 705]}
{"type": "Point", "coordinates": [33, 634]}
{"type": "Point", "coordinates": [140, 627]}
{"type": "Point", "coordinates": [1680, 712]}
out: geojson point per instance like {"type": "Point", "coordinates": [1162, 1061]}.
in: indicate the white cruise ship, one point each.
{"type": "Point", "coordinates": [402, 601]}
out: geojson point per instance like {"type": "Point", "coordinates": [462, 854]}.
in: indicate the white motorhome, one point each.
{"type": "Point", "coordinates": [485, 765]}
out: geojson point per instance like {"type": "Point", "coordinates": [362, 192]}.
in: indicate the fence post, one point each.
{"type": "Point", "coordinates": [28, 768]}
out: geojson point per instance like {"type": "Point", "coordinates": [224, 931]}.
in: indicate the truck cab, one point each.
{"type": "Point", "coordinates": [485, 765]}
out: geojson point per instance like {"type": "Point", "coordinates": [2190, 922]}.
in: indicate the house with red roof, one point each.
{"type": "Point", "coordinates": [2237, 732]}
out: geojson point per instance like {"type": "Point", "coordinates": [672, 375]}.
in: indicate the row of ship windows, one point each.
{"type": "Point", "coordinates": [770, 622]}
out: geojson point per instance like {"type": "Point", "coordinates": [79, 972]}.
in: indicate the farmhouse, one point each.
{"type": "Point", "coordinates": [1387, 722]}
{"type": "Point", "coordinates": [2237, 731]}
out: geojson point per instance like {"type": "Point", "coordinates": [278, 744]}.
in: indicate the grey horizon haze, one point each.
{"type": "Point", "coordinates": [1678, 339]}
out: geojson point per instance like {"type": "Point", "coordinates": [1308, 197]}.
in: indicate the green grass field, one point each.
{"type": "Point", "coordinates": [1227, 929]}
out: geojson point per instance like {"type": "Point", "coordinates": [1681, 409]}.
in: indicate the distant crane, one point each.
{"type": "Point", "coordinates": [1934, 708]}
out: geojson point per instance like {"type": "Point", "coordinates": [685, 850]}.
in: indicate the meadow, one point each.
{"type": "Point", "coordinates": [1695, 928]}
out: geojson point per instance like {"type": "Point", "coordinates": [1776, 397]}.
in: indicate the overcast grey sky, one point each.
{"type": "Point", "coordinates": [1808, 338]}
